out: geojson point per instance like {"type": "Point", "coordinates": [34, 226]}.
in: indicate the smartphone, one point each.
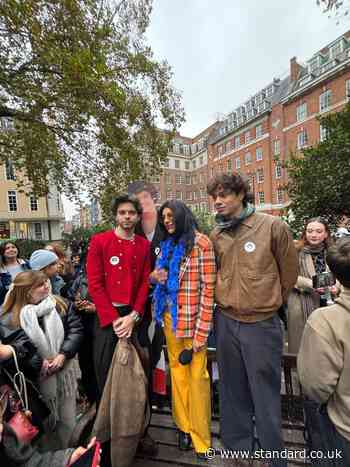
{"type": "Point", "coordinates": [89, 458]}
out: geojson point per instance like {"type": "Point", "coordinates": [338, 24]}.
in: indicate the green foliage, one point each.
{"type": "Point", "coordinates": [206, 221]}
{"type": "Point", "coordinates": [319, 178]}
{"type": "Point", "coordinates": [84, 94]}
{"type": "Point", "coordinates": [80, 237]}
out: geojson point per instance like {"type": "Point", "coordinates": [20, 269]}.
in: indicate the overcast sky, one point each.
{"type": "Point", "coordinates": [221, 52]}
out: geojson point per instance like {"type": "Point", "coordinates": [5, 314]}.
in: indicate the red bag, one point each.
{"type": "Point", "coordinates": [20, 421]}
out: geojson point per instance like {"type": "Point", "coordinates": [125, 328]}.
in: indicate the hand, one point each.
{"type": "Point", "coordinates": [159, 275]}
{"type": "Point", "coordinates": [44, 372]}
{"type": "Point", "coordinates": [80, 451]}
{"type": "Point", "coordinates": [123, 326]}
{"type": "Point", "coordinates": [1, 430]}
{"type": "Point", "coordinates": [56, 364]}
{"type": "Point", "coordinates": [198, 346]}
{"type": "Point", "coordinates": [320, 290]}
{"type": "Point", "coordinates": [90, 307]}
{"type": "Point", "coordinates": [333, 289]}
{"type": "Point", "coordinates": [5, 352]}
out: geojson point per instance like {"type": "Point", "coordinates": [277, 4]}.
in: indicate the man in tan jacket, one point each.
{"type": "Point", "coordinates": [257, 267]}
{"type": "Point", "coordinates": [324, 360]}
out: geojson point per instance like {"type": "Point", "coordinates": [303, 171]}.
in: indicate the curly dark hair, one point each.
{"type": "Point", "coordinates": [138, 186]}
{"type": "Point", "coordinates": [124, 198]}
{"type": "Point", "coordinates": [233, 183]}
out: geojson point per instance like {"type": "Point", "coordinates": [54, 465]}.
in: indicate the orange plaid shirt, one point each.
{"type": "Point", "coordinates": [195, 300]}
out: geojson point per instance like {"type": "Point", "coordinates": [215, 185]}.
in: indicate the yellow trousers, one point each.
{"type": "Point", "coordinates": [190, 389]}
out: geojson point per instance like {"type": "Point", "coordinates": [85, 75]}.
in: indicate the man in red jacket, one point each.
{"type": "Point", "coordinates": [118, 268]}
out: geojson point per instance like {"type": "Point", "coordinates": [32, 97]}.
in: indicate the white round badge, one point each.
{"type": "Point", "coordinates": [249, 247]}
{"type": "Point", "coordinates": [157, 251]}
{"type": "Point", "coordinates": [114, 260]}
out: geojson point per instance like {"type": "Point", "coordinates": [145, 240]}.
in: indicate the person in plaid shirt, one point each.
{"type": "Point", "coordinates": [185, 275]}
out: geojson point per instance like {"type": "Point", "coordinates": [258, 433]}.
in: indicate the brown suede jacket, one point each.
{"type": "Point", "coordinates": [257, 267]}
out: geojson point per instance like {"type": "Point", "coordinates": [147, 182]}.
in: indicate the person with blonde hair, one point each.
{"type": "Point", "coordinates": [56, 331]}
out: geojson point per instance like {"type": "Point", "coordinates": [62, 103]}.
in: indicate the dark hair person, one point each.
{"type": "Point", "coordinates": [304, 299]}
{"type": "Point", "coordinates": [10, 265]}
{"type": "Point", "coordinates": [184, 299]}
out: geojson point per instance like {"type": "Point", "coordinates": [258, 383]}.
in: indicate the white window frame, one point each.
{"type": "Point", "coordinates": [247, 160]}
{"type": "Point", "coordinates": [177, 164]}
{"type": "Point", "coordinates": [325, 100]}
{"type": "Point", "coordinates": [260, 176]}
{"type": "Point", "coordinates": [229, 166]}
{"type": "Point", "coordinates": [168, 179]}
{"type": "Point", "coordinates": [259, 154]}
{"type": "Point", "coordinates": [247, 137]}
{"type": "Point", "coordinates": [301, 112]}
{"type": "Point", "coordinates": [38, 233]}
{"type": "Point", "coordinates": [278, 170]}
{"type": "Point", "coordinates": [188, 180]}
{"type": "Point", "coordinates": [9, 170]}
{"type": "Point", "coordinates": [261, 197]}
{"type": "Point", "coordinates": [33, 203]}
{"type": "Point", "coordinates": [237, 141]}
{"type": "Point", "coordinates": [347, 89]}
{"type": "Point", "coordinates": [259, 131]}
{"type": "Point", "coordinates": [12, 193]}
{"type": "Point", "coordinates": [279, 195]}
{"type": "Point", "coordinates": [277, 147]}
{"type": "Point", "coordinates": [238, 162]}
{"type": "Point", "coordinates": [302, 139]}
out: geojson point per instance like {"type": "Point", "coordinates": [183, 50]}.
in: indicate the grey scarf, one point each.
{"type": "Point", "coordinates": [232, 223]}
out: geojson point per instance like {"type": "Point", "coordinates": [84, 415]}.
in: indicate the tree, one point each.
{"type": "Point", "coordinates": [83, 94]}
{"type": "Point", "coordinates": [337, 8]}
{"type": "Point", "coordinates": [319, 177]}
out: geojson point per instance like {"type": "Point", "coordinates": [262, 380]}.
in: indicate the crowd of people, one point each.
{"type": "Point", "coordinates": [99, 321]}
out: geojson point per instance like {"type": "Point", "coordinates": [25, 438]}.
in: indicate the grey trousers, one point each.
{"type": "Point", "coordinates": [249, 360]}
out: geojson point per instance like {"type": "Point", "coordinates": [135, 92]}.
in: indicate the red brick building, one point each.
{"type": "Point", "coordinates": [258, 135]}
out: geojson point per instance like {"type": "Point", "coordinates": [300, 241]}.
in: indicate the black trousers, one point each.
{"type": "Point", "coordinates": [249, 359]}
{"type": "Point", "coordinates": [86, 358]}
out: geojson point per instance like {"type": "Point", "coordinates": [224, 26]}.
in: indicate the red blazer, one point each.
{"type": "Point", "coordinates": [118, 272]}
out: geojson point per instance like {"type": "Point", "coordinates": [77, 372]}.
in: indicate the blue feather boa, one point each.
{"type": "Point", "coordinates": [170, 259]}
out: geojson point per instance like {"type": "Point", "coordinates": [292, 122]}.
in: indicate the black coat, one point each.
{"type": "Point", "coordinates": [73, 332]}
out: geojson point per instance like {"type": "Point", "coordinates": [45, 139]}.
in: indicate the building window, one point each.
{"type": "Point", "coordinates": [202, 193]}
{"type": "Point", "coordinates": [188, 179]}
{"type": "Point", "coordinates": [260, 175]}
{"type": "Point", "coordinates": [195, 196]}
{"type": "Point", "coordinates": [33, 203]}
{"type": "Point", "coordinates": [336, 49]}
{"type": "Point", "coordinates": [247, 137]}
{"type": "Point", "coordinates": [258, 131]}
{"type": "Point", "coordinates": [194, 179]}
{"type": "Point", "coordinates": [177, 164]}
{"type": "Point", "coordinates": [279, 195]}
{"type": "Point", "coordinates": [38, 231]}
{"type": "Point", "coordinates": [186, 150]}
{"type": "Point", "coordinates": [194, 164]}
{"type": "Point", "coordinates": [238, 163]}
{"type": "Point", "coordinates": [261, 197]}
{"type": "Point", "coordinates": [155, 178]}
{"type": "Point", "coordinates": [301, 112]}
{"type": "Point", "coordinates": [189, 196]}
{"type": "Point", "coordinates": [229, 166]}
{"type": "Point", "coordinates": [278, 170]}
{"type": "Point", "coordinates": [166, 163]}
{"type": "Point", "coordinates": [347, 90]}
{"type": "Point", "coordinates": [325, 100]}
{"type": "Point", "coordinates": [201, 160]}
{"type": "Point", "coordinates": [178, 179]}
{"type": "Point", "coordinates": [237, 141]}
{"type": "Point", "coordinates": [179, 195]}
{"type": "Point", "coordinates": [302, 139]}
{"type": "Point", "coordinates": [187, 165]}
{"type": "Point", "coordinates": [247, 158]}
{"type": "Point", "coordinates": [323, 133]}
{"type": "Point", "coordinates": [10, 173]}
{"type": "Point", "coordinates": [201, 178]}
{"type": "Point", "coordinates": [168, 179]}
{"type": "Point", "coordinates": [169, 195]}
{"type": "Point", "coordinates": [259, 154]}
{"type": "Point", "coordinates": [277, 147]}
{"type": "Point", "coordinates": [12, 200]}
